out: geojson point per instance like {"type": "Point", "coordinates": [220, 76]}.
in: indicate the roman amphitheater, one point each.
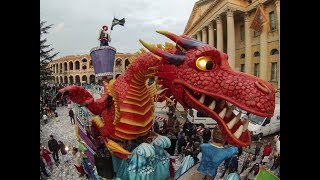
{"type": "Point", "coordinates": [77, 69]}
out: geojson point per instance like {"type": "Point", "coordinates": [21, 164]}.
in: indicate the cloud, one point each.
{"type": "Point", "coordinates": [77, 22]}
{"type": "Point", "coordinates": [58, 28]}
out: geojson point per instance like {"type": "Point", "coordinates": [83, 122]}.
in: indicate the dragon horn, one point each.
{"type": "Point", "coordinates": [183, 41]}
{"type": "Point", "coordinates": [172, 58]}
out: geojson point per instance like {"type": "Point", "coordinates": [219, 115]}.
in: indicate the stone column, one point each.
{"type": "Point", "coordinates": [204, 35]}
{"type": "Point", "coordinates": [263, 52]}
{"type": "Point", "coordinates": [277, 3]}
{"type": "Point", "coordinates": [199, 36]}
{"type": "Point", "coordinates": [247, 39]}
{"type": "Point", "coordinates": [231, 38]}
{"type": "Point", "coordinates": [219, 33]}
{"type": "Point", "coordinates": [278, 24]}
{"type": "Point", "coordinates": [211, 34]}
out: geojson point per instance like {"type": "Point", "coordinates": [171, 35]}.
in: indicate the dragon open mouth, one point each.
{"type": "Point", "coordinates": [222, 111]}
{"type": "Point", "coordinates": [231, 125]}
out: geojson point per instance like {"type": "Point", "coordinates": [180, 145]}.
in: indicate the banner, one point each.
{"type": "Point", "coordinates": [258, 20]}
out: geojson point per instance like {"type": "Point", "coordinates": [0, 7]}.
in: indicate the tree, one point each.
{"type": "Point", "coordinates": [45, 51]}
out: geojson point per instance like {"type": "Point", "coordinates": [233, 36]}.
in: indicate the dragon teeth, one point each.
{"type": "Point", "coordinates": [212, 105]}
{"type": "Point", "coordinates": [238, 133]}
{"type": "Point", "coordinates": [223, 113]}
{"type": "Point", "coordinates": [234, 121]}
{"type": "Point", "coordinates": [202, 98]}
{"type": "Point", "coordinates": [245, 125]}
{"type": "Point", "coordinates": [229, 112]}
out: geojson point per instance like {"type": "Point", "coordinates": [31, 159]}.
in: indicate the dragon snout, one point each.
{"type": "Point", "coordinates": [262, 87]}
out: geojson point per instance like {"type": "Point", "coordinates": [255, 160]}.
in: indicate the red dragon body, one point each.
{"type": "Point", "coordinates": [196, 74]}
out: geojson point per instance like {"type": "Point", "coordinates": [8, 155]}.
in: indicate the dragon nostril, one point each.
{"type": "Point", "coordinates": [262, 87]}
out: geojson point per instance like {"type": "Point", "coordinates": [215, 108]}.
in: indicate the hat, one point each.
{"type": "Point", "coordinates": [104, 27]}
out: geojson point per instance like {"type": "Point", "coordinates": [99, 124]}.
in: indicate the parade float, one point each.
{"type": "Point", "coordinates": [197, 75]}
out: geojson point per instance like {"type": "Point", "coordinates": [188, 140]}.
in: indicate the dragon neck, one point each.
{"type": "Point", "coordinates": [133, 97]}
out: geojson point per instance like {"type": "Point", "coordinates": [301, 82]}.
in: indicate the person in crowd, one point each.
{"type": "Point", "coordinates": [156, 127]}
{"type": "Point", "coordinates": [231, 165]}
{"type": "Point", "coordinates": [206, 135]}
{"type": "Point", "coordinates": [257, 149]}
{"type": "Point", "coordinates": [253, 172]}
{"type": "Point", "coordinates": [77, 159]}
{"type": "Point", "coordinates": [45, 117]}
{"type": "Point", "coordinates": [266, 152]}
{"type": "Point", "coordinates": [181, 141]}
{"type": "Point", "coordinates": [46, 156]}
{"type": "Point", "coordinates": [71, 115]}
{"type": "Point", "coordinates": [246, 162]}
{"type": "Point", "coordinates": [43, 167]}
{"type": "Point", "coordinates": [54, 148]}
{"type": "Point", "coordinates": [69, 103]}
{"type": "Point", "coordinates": [213, 154]}
{"type": "Point", "coordinates": [64, 152]}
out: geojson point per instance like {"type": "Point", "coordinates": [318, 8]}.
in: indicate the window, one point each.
{"type": "Point", "coordinates": [274, 51]}
{"type": "Point", "coordinates": [242, 68]}
{"type": "Point", "coordinates": [274, 71]}
{"type": "Point", "coordinates": [256, 54]}
{"type": "Point", "coordinates": [242, 32]}
{"type": "Point", "coordinates": [272, 18]}
{"type": "Point", "coordinates": [267, 121]}
{"type": "Point", "coordinates": [191, 112]}
{"type": "Point", "coordinates": [199, 114]}
{"type": "Point", "coordinates": [256, 69]}
{"type": "Point", "coordinates": [242, 56]}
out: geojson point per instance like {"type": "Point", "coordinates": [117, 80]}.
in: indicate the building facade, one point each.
{"type": "Point", "coordinates": [77, 69]}
{"type": "Point", "coordinates": [225, 24]}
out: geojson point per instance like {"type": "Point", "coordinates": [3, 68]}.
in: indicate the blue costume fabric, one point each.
{"type": "Point", "coordinates": [186, 164]}
{"type": "Point", "coordinates": [147, 162]}
{"type": "Point", "coordinates": [212, 157]}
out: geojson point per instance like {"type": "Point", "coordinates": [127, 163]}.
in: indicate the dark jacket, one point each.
{"type": "Point", "coordinates": [53, 145]}
{"type": "Point", "coordinates": [71, 114]}
{"type": "Point", "coordinates": [206, 136]}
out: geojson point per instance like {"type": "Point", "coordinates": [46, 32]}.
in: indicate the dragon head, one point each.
{"type": "Point", "coordinates": [199, 76]}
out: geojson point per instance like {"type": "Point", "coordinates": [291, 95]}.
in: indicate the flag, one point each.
{"type": "Point", "coordinates": [258, 20]}
{"type": "Point", "coordinates": [116, 21]}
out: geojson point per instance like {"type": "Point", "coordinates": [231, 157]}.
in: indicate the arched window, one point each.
{"type": "Point", "coordinates": [256, 54]}
{"type": "Point", "coordinates": [66, 80]}
{"type": "Point", "coordinates": [118, 62]}
{"type": "Point", "coordinates": [70, 65]}
{"type": "Point", "coordinates": [77, 79]}
{"type": "Point", "coordinates": [84, 64]}
{"type": "Point", "coordinates": [242, 56]}
{"type": "Point", "coordinates": [70, 79]}
{"type": "Point", "coordinates": [274, 51]}
{"type": "Point", "coordinates": [126, 63]}
{"type": "Point", "coordinates": [92, 79]}
{"type": "Point", "coordinates": [77, 65]}
{"type": "Point", "coordinates": [61, 80]}
{"type": "Point", "coordinates": [60, 68]}
{"type": "Point", "coordinates": [65, 65]}
{"type": "Point", "coordinates": [84, 79]}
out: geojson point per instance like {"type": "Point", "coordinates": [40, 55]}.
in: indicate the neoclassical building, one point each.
{"type": "Point", "coordinates": [225, 24]}
{"type": "Point", "coordinates": [78, 68]}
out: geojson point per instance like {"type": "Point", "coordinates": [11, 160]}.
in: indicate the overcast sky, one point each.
{"type": "Point", "coordinates": [77, 22]}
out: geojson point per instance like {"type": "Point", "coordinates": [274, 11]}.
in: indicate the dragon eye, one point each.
{"type": "Point", "coordinates": [204, 63]}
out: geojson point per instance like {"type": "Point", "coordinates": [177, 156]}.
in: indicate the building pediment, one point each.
{"type": "Point", "coordinates": [199, 9]}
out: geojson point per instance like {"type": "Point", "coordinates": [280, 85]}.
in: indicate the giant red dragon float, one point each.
{"type": "Point", "coordinates": [196, 74]}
